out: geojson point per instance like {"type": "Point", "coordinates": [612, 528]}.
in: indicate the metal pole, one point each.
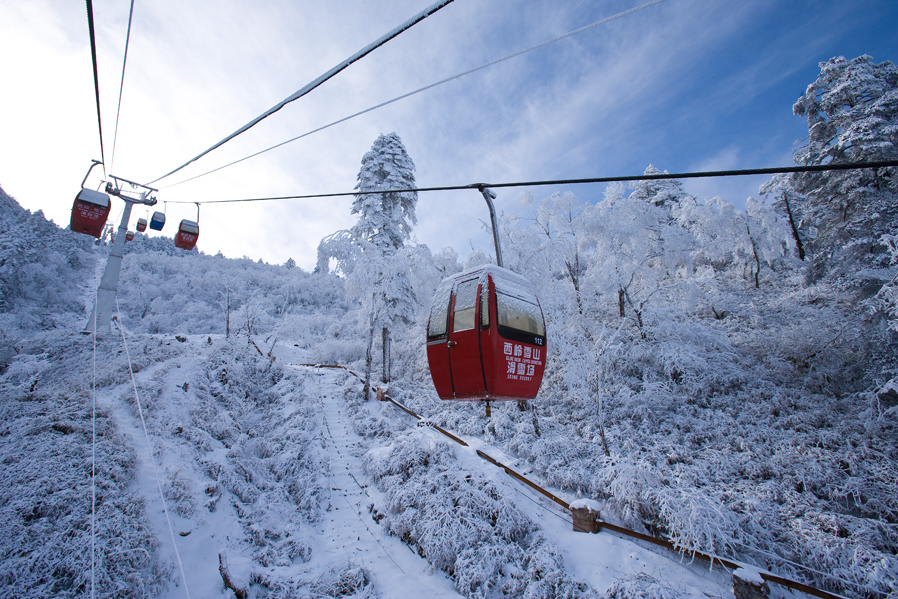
{"type": "Point", "coordinates": [105, 297]}
{"type": "Point", "coordinates": [488, 195]}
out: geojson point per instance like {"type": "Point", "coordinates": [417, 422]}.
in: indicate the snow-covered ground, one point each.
{"type": "Point", "coordinates": [345, 534]}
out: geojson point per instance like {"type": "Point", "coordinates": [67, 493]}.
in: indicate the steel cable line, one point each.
{"type": "Point", "coordinates": [427, 87]}
{"type": "Point", "coordinates": [317, 82]}
{"type": "Point", "coordinates": [689, 175]}
{"type": "Point", "coordinates": [93, 53]}
{"type": "Point", "coordinates": [121, 87]}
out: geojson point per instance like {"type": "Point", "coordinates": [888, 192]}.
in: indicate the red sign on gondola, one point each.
{"type": "Point", "coordinates": [486, 338]}
{"type": "Point", "coordinates": [89, 212]}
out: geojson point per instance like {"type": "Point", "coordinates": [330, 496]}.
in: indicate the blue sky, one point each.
{"type": "Point", "coordinates": [684, 85]}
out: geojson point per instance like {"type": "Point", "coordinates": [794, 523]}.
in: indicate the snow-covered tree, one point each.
{"type": "Point", "coordinates": [386, 219]}
{"type": "Point", "coordinates": [371, 253]}
{"type": "Point", "coordinates": [852, 112]}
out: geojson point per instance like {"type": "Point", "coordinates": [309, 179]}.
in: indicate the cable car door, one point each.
{"type": "Point", "coordinates": [464, 341]}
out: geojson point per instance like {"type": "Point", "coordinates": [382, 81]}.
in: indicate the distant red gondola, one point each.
{"type": "Point", "coordinates": [141, 224]}
{"type": "Point", "coordinates": [486, 337]}
{"type": "Point", "coordinates": [188, 233]}
{"type": "Point", "coordinates": [89, 212]}
{"type": "Point", "coordinates": [129, 236]}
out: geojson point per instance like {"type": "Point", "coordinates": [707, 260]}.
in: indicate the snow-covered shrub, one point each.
{"type": "Point", "coordinates": [45, 502]}
{"type": "Point", "coordinates": [642, 586]}
{"type": "Point", "coordinates": [351, 581]}
{"type": "Point", "coordinates": [45, 272]}
{"type": "Point", "coordinates": [346, 581]}
{"type": "Point", "coordinates": [461, 523]}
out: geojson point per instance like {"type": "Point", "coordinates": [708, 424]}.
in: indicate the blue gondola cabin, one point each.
{"type": "Point", "coordinates": [157, 221]}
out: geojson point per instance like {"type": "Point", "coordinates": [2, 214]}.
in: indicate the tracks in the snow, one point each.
{"type": "Point", "coordinates": [395, 566]}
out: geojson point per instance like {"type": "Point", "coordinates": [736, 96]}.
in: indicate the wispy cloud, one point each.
{"type": "Point", "coordinates": [683, 84]}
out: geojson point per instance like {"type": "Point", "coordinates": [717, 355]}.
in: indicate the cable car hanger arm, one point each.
{"type": "Point", "coordinates": [146, 197]}
{"type": "Point", "coordinates": [489, 195]}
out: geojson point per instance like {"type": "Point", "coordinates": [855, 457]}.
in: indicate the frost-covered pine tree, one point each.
{"type": "Point", "coordinates": [385, 223]}
{"type": "Point", "coordinates": [386, 219]}
{"type": "Point", "coordinates": [852, 112]}
{"type": "Point", "coordinates": [371, 254]}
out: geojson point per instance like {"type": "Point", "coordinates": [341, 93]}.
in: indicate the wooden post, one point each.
{"type": "Point", "coordinates": [586, 515]}
{"type": "Point", "coordinates": [748, 584]}
{"type": "Point", "coordinates": [227, 578]}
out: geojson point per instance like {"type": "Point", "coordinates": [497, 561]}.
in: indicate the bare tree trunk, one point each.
{"type": "Point", "coordinates": [620, 302]}
{"type": "Point", "coordinates": [754, 250]}
{"type": "Point", "coordinates": [600, 414]}
{"type": "Point", "coordinates": [574, 273]}
{"type": "Point", "coordinates": [622, 293]}
{"type": "Point", "coordinates": [385, 339]}
{"type": "Point", "coordinates": [366, 392]}
{"type": "Point", "coordinates": [794, 227]}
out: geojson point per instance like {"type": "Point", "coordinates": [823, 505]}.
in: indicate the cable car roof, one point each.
{"type": "Point", "coordinates": [93, 197]}
{"type": "Point", "coordinates": [506, 281]}
{"type": "Point", "coordinates": [189, 226]}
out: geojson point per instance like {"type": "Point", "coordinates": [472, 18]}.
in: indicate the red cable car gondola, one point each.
{"type": "Point", "coordinates": [129, 236]}
{"type": "Point", "coordinates": [141, 224]}
{"type": "Point", "coordinates": [188, 233]}
{"type": "Point", "coordinates": [486, 337]}
{"type": "Point", "coordinates": [89, 212]}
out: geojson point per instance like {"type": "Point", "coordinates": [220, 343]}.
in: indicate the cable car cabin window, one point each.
{"type": "Point", "coordinates": [465, 302]}
{"type": "Point", "coordinates": [439, 310]}
{"type": "Point", "coordinates": [520, 320]}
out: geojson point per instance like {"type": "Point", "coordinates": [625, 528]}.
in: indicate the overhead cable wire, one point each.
{"type": "Point", "coordinates": [653, 177]}
{"type": "Point", "coordinates": [427, 87]}
{"type": "Point", "coordinates": [317, 82]}
{"type": "Point", "coordinates": [121, 87]}
{"type": "Point", "coordinates": [93, 53]}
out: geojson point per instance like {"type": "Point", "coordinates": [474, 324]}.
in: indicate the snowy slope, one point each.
{"type": "Point", "coordinates": [755, 422]}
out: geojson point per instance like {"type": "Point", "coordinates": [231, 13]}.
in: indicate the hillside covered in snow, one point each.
{"type": "Point", "coordinates": [726, 379]}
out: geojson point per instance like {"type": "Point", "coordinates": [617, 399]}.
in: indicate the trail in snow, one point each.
{"type": "Point", "coordinates": [199, 539]}
{"type": "Point", "coordinates": [348, 531]}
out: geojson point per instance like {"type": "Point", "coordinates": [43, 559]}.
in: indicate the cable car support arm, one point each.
{"type": "Point", "coordinates": [489, 195]}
